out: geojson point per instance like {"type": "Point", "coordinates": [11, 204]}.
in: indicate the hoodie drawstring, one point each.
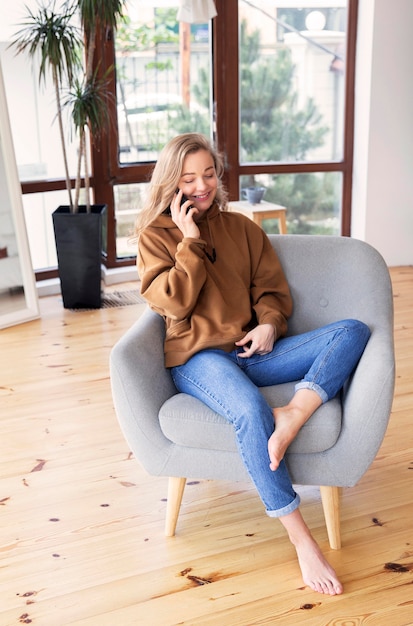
{"type": "Point", "coordinates": [212, 257]}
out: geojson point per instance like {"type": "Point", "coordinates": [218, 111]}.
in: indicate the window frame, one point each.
{"type": "Point", "coordinates": [108, 171]}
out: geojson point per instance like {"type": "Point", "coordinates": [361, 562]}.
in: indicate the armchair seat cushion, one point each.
{"type": "Point", "coordinates": [188, 422]}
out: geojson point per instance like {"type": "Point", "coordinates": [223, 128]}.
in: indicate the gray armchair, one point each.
{"type": "Point", "coordinates": [172, 434]}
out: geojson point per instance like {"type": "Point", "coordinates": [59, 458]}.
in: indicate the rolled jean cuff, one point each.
{"type": "Point", "coordinates": [286, 509]}
{"type": "Point", "coordinates": [304, 384]}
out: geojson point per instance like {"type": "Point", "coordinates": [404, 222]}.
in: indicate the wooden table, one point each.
{"type": "Point", "coordinates": [262, 211]}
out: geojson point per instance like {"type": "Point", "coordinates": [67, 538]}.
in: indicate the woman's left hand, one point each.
{"type": "Point", "coordinates": [259, 340]}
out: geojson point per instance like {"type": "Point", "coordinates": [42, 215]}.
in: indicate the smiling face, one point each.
{"type": "Point", "coordinates": [199, 180]}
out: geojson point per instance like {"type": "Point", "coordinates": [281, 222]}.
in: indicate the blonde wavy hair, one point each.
{"type": "Point", "coordinates": [167, 173]}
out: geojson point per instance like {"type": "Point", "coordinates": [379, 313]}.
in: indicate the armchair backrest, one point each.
{"type": "Point", "coordinates": [334, 278]}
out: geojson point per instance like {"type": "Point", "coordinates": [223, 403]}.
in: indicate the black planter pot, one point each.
{"type": "Point", "coordinates": [79, 238]}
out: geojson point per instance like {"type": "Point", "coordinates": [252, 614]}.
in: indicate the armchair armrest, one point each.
{"type": "Point", "coordinates": [140, 386]}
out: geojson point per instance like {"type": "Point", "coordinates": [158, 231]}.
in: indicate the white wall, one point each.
{"type": "Point", "coordinates": [382, 212]}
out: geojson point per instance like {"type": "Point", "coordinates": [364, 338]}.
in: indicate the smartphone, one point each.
{"type": "Point", "coordinates": [183, 199]}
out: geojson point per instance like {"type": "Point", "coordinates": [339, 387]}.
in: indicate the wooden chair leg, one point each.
{"type": "Point", "coordinates": [176, 488]}
{"type": "Point", "coordinates": [330, 497]}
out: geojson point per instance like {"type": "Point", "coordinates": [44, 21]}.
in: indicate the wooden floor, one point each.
{"type": "Point", "coordinates": [82, 525]}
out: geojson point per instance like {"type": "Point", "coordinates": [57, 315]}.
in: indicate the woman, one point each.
{"type": "Point", "coordinates": [215, 278]}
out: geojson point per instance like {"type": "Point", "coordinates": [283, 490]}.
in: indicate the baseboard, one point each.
{"type": "Point", "coordinates": [112, 276]}
{"type": "Point", "coordinates": [115, 275]}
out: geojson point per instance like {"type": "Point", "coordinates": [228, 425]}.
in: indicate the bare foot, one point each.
{"type": "Point", "coordinates": [288, 422]}
{"type": "Point", "coordinates": [316, 571]}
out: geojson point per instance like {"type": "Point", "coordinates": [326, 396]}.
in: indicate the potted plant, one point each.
{"type": "Point", "coordinates": [67, 52]}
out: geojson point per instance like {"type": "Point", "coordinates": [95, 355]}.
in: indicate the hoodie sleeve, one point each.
{"type": "Point", "coordinates": [270, 294]}
{"type": "Point", "coordinates": [172, 273]}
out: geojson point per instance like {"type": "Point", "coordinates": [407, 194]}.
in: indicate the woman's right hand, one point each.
{"type": "Point", "coordinates": [183, 216]}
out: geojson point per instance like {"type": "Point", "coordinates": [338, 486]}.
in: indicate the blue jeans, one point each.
{"type": "Point", "coordinates": [320, 360]}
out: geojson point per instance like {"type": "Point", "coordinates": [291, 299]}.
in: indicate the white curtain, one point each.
{"type": "Point", "coordinates": [196, 11]}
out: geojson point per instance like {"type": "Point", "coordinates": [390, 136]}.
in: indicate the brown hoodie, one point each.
{"type": "Point", "coordinates": [208, 304]}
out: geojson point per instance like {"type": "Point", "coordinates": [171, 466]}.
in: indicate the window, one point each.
{"type": "Point", "coordinates": [291, 83]}
{"type": "Point", "coordinates": [163, 88]}
{"type": "Point", "coordinates": [290, 129]}
{"type": "Point", "coordinates": [270, 80]}
{"type": "Point", "coordinates": [163, 80]}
